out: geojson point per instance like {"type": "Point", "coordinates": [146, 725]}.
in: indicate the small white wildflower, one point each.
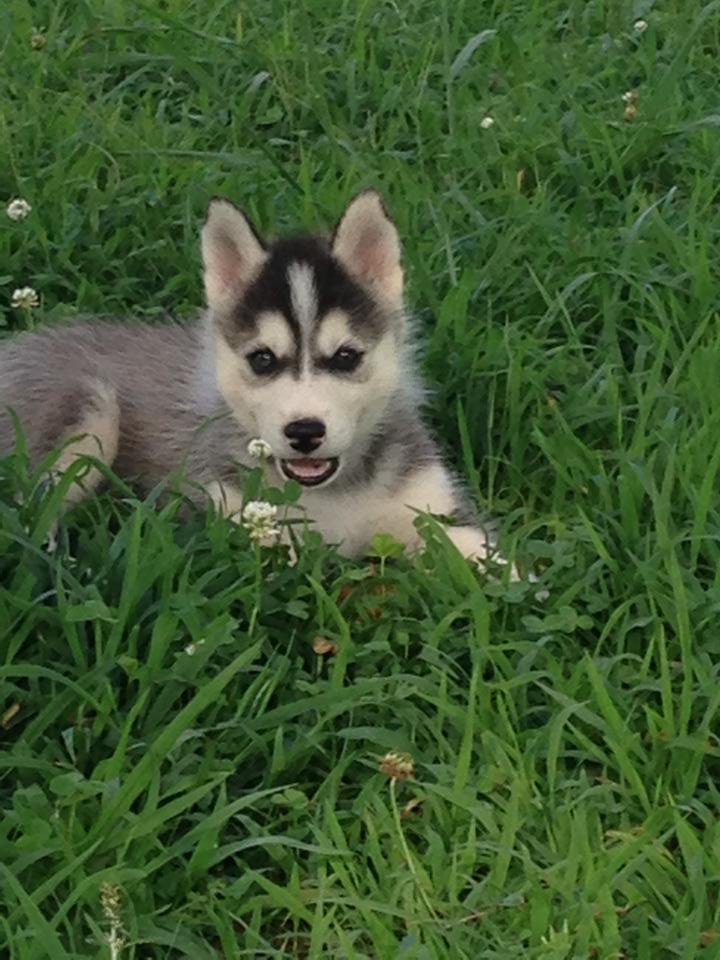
{"type": "Point", "coordinates": [192, 648]}
{"type": "Point", "coordinates": [18, 209]}
{"type": "Point", "coordinates": [542, 594]}
{"type": "Point", "coordinates": [259, 511]}
{"type": "Point", "coordinates": [397, 765]}
{"type": "Point", "coordinates": [259, 448]}
{"type": "Point", "coordinates": [25, 298]}
{"type": "Point", "coordinates": [640, 26]}
{"type": "Point", "coordinates": [259, 518]}
{"type": "Point", "coordinates": [487, 122]}
{"type": "Point", "coordinates": [38, 38]}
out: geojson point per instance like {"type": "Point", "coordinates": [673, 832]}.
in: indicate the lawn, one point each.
{"type": "Point", "coordinates": [182, 773]}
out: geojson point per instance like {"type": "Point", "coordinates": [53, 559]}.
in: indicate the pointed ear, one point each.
{"type": "Point", "coordinates": [232, 252]}
{"type": "Point", "coordinates": [366, 242]}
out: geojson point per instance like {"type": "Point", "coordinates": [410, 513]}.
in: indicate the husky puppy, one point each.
{"type": "Point", "coordinates": [304, 344]}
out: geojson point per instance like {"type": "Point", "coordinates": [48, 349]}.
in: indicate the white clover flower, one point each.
{"type": "Point", "coordinates": [259, 448]}
{"type": "Point", "coordinates": [640, 26]}
{"type": "Point", "coordinates": [192, 648]}
{"type": "Point", "coordinates": [38, 38]}
{"type": "Point", "coordinates": [259, 511]}
{"type": "Point", "coordinates": [18, 209]}
{"type": "Point", "coordinates": [487, 122]}
{"type": "Point", "coordinates": [259, 518]}
{"type": "Point", "coordinates": [542, 594]}
{"type": "Point", "coordinates": [25, 298]}
{"type": "Point", "coordinates": [397, 765]}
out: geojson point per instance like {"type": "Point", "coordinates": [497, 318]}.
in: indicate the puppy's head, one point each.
{"type": "Point", "coordinates": [308, 332]}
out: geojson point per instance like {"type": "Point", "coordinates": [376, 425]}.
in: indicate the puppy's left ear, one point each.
{"type": "Point", "coordinates": [367, 244]}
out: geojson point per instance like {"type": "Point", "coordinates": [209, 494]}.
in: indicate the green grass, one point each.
{"type": "Point", "coordinates": [563, 268]}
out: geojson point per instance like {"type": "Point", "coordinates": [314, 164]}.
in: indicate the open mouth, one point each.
{"type": "Point", "coordinates": [309, 471]}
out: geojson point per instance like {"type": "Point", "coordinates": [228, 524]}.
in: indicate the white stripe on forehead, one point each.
{"type": "Point", "coordinates": [303, 294]}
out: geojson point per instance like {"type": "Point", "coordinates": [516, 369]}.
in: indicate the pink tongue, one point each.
{"type": "Point", "coordinates": [308, 468]}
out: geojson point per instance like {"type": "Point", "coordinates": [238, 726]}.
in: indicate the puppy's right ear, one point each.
{"type": "Point", "coordinates": [232, 253]}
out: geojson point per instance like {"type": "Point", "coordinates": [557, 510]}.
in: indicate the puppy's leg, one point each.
{"type": "Point", "coordinates": [430, 490]}
{"type": "Point", "coordinates": [472, 542]}
{"type": "Point", "coordinates": [477, 545]}
{"type": "Point", "coordinates": [94, 433]}
{"type": "Point", "coordinates": [226, 499]}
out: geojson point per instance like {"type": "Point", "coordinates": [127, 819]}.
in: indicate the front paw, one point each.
{"type": "Point", "coordinates": [479, 547]}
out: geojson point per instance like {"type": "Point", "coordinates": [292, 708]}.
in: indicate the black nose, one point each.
{"type": "Point", "coordinates": [305, 435]}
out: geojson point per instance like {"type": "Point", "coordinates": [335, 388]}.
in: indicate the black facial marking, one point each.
{"type": "Point", "coordinates": [335, 289]}
{"type": "Point", "coordinates": [344, 360]}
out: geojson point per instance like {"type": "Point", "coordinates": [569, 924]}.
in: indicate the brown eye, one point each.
{"type": "Point", "coordinates": [345, 360]}
{"type": "Point", "coordinates": [262, 361]}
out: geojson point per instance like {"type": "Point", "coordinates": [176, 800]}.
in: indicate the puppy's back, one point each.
{"type": "Point", "coordinates": [50, 378]}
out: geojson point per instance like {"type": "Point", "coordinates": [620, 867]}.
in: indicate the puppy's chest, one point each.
{"type": "Point", "coordinates": [350, 519]}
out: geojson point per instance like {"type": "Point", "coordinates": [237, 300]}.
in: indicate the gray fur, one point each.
{"type": "Point", "coordinates": [167, 419]}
